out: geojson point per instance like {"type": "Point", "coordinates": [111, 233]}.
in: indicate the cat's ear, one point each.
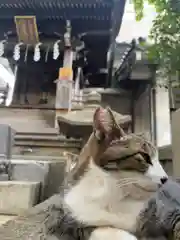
{"type": "Point", "coordinates": [105, 125]}
{"type": "Point", "coordinates": [106, 130]}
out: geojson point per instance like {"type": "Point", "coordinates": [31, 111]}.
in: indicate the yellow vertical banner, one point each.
{"type": "Point", "coordinates": [26, 28]}
{"type": "Point", "coordinates": [64, 88]}
{"type": "Point", "coordinates": [65, 73]}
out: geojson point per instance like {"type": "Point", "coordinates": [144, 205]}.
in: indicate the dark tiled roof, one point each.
{"type": "Point", "coordinates": [56, 9]}
{"type": "Point", "coordinates": [95, 13]}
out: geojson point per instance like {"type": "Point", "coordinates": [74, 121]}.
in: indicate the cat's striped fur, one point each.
{"type": "Point", "coordinates": [161, 215]}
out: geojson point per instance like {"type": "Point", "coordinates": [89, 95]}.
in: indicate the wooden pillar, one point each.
{"type": "Point", "coordinates": [64, 93]}
{"type": "Point", "coordinates": [63, 98]}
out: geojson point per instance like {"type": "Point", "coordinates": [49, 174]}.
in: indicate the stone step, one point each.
{"type": "Point", "coordinates": [44, 144]}
{"type": "Point", "coordinates": [28, 120]}
{"type": "Point", "coordinates": [44, 137]}
{"type": "Point", "coordinates": [38, 158]}
{"type": "Point", "coordinates": [49, 172]}
{"type": "Point", "coordinates": [6, 218]}
{"type": "Point", "coordinates": [55, 141]}
{"type": "Point", "coordinates": [18, 196]}
{"type": "Point", "coordinates": [32, 181]}
{"type": "Point", "coordinates": [52, 133]}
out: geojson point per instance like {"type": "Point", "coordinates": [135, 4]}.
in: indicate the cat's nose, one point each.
{"type": "Point", "coordinates": [164, 180]}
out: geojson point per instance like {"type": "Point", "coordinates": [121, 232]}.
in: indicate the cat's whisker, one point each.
{"type": "Point", "coordinates": [127, 183]}
{"type": "Point", "coordinates": [128, 179]}
{"type": "Point", "coordinates": [130, 182]}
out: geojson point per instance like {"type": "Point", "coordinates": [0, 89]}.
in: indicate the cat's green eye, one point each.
{"type": "Point", "coordinates": [147, 158]}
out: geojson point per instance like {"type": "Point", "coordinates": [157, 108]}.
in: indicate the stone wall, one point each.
{"type": "Point", "coordinates": [162, 114]}
{"type": "Point", "coordinates": [175, 142]}
{"type": "Point", "coordinates": [119, 103]}
{"type": "Point", "coordinates": [143, 124]}
{"type": "Point", "coordinates": [40, 119]}
{"type": "Point", "coordinates": [142, 114]}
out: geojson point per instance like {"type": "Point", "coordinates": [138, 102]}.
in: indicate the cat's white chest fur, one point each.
{"type": "Point", "coordinates": [98, 199]}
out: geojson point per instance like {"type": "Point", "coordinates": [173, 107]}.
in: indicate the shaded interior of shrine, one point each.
{"type": "Point", "coordinates": [93, 27]}
{"type": "Point", "coordinates": [35, 81]}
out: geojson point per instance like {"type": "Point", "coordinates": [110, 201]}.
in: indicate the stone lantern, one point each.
{"type": "Point", "coordinates": [78, 124]}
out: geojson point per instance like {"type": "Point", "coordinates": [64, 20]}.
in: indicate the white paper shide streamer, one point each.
{"type": "Point", "coordinates": [37, 52]}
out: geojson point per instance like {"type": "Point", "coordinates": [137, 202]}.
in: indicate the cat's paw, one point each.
{"type": "Point", "coordinates": [111, 233]}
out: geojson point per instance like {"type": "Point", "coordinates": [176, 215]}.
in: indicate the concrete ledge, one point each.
{"type": "Point", "coordinates": [18, 196]}
{"type": "Point", "coordinates": [6, 218]}
{"type": "Point", "coordinates": [165, 152]}
{"type": "Point", "coordinates": [36, 224]}
{"type": "Point", "coordinates": [49, 173]}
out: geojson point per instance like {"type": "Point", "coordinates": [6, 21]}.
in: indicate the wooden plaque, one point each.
{"type": "Point", "coordinates": [26, 28]}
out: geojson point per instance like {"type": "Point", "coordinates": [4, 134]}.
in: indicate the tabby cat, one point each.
{"type": "Point", "coordinates": [111, 183]}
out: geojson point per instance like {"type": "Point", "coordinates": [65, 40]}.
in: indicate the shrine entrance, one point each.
{"type": "Point", "coordinates": [83, 30]}
{"type": "Point", "coordinates": [35, 84]}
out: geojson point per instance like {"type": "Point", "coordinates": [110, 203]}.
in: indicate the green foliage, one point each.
{"type": "Point", "coordinates": [139, 7]}
{"type": "Point", "coordinates": [165, 33]}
